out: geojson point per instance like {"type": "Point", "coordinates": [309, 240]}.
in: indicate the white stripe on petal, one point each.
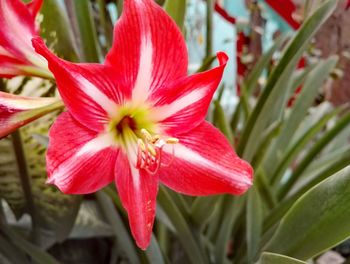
{"type": "Point", "coordinates": [62, 173]}
{"type": "Point", "coordinates": [5, 52]}
{"type": "Point", "coordinates": [135, 173]}
{"type": "Point", "coordinates": [25, 103]}
{"type": "Point", "coordinates": [165, 111]}
{"type": "Point", "coordinates": [99, 97]}
{"type": "Point", "coordinates": [20, 32]}
{"type": "Point", "coordinates": [196, 159]}
{"type": "Point", "coordinates": [144, 75]}
{"type": "Point", "coordinates": [95, 145]}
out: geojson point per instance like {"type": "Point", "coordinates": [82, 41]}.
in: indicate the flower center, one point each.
{"type": "Point", "coordinates": [136, 133]}
{"type": "Point", "coordinates": [126, 121]}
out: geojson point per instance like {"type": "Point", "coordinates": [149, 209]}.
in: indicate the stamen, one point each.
{"type": "Point", "coordinates": [150, 147]}
{"type": "Point", "coordinates": [152, 150]}
{"type": "Point", "coordinates": [146, 134]}
{"type": "Point", "coordinates": [141, 144]}
{"type": "Point", "coordinates": [172, 140]}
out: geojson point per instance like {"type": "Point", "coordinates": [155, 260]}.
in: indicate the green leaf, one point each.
{"type": "Point", "coordinates": [267, 137]}
{"type": "Point", "coordinates": [314, 80]}
{"type": "Point", "coordinates": [254, 223]}
{"type": "Point", "coordinates": [183, 231]}
{"type": "Point", "coordinates": [342, 123]}
{"type": "Point", "coordinates": [264, 61]}
{"type": "Point", "coordinates": [232, 207]}
{"type": "Point", "coordinates": [271, 102]}
{"type": "Point", "coordinates": [220, 121]}
{"type": "Point", "coordinates": [10, 251]}
{"type": "Point", "coordinates": [87, 30]}
{"type": "Point", "coordinates": [272, 258]}
{"type": "Point", "coordinates": [207, 62]}
{"type": "Point", "coordinates": [203, 208]}
{"type": "Point", "coordinates": [177, 10]}
{"type": "Point", "coordinates": [324, 173]}
{"type": "Point", "coordinates": [58, 35]}
{"type": "Point", "coordinates": [299, 146]}
{"type": "Point", "coordinates": [318, 221]}
{"type": "Point", "coordinates": [121, 233]}
{"type": "Point", "coordinates": [37, 254]}
{"type": "Point", "coordinates": [153, 252]}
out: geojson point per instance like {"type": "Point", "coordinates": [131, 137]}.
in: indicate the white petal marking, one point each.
{"type": "Point", "coordinates": [135, 173]}
{"type": "Point", "coordinates": [99, 97]}
{"type": "Point", "coordinates": [195, 158]}
{"type": "Point", "coordinates": [165, 111]}
{"type": "Point", "coordinates": [144, 76]}
{"type": "Point", "coordinates": [62, 174]}
{"type": "Point", "coordinates": [5, 52]}
{"type": "Point", "coordinates": [26, 104]}
{"type": "Point", "coordinates": [95, 145]}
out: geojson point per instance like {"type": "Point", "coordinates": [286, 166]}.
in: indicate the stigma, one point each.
{"type": "Point", "coordinates": [149, 151]}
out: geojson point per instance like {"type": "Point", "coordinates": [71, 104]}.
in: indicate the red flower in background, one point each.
{"type": "Point", "coordinates": [138, 120]}
{"type": "Point", "coordinates": [17, 28]}
{"type": "Point", "coordinates": [16, 111]}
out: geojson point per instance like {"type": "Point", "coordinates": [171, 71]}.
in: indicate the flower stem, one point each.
{"type": "Point", "coordinates": [25, 182]}
{"type": "Point", "coordinates": [210, 16]}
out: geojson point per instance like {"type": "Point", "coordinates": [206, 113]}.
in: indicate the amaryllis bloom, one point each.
{"type": "Point", "coordinates": [138, 120]}
{"type": "Point", "coordinates": [17, 28]}
{"type": "Point", "coordinates": [16, 111]}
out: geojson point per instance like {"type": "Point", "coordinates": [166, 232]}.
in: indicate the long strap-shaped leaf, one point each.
{"type": "Point", "coordinates": [329, 170]}
{"type": "Point", "coordinates": [275, 90]}
{"type": "Point", "coordinates": [317, 221]}
{"type": "Point", "coordinates": [316, 148]}
{"type": "Point", "coordinates": [176, 9]}
{"type": "Point", "coordinates": [311, 87]}
{"type": "Point", "coordinates": [187, 239]}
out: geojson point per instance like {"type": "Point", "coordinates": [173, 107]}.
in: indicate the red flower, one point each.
{"type": "Point", "coordinates": [16, 111]}
{"type": "Point", "coordinates": [347, 5]}
{"type": "Point", "coordinates": [17, 28]}
{"type": "Point", "coordinates": [286, 9]}
{"type": "Point", "coordinates": [138, 119]}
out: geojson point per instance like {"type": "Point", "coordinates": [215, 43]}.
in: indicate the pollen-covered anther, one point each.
{"type": "Point", "coordinates": [150, 149]}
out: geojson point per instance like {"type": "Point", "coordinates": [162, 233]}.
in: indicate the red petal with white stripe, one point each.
{"type": "Point", "coordinates": [17, 28]}
{"type": "Point", "coordinates": [17, 111]}
{"type": "Point", "coordinates": [183, 105]}
{"type": "Point", "coordinates": [148, 48]}
{"type": "Point", "coordinates": [137, 190]}
{"type": "Point", "coordinates": [90, 91]}
{"type": "Point", "coordinates": [204, 163]}
{"type": "Point", "coordinates": [79, 160]}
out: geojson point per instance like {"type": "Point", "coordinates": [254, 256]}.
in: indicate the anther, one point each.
{"type": "Point", "coordinates": [155, 138]}
{"type": "Point", "coordinates": [152, 150]}
{"type": "Point", "coordinates": [146, 135]}
{"type": "Point", "coordinates": [172, 140]}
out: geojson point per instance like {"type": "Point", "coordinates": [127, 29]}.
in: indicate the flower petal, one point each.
{"type": "Point", "coordinates": [149, 50]}
{"type": "Point", "coordinates": [34, 7]}
{"type": "Point", "coordinates": [17, 28]}
{"type": "Point", "coordinates": [137, 190]}
{"type": "Point", "coordinates": [184, 104]}
{"type": "Point", "coordinates": [17, 111]}
{"type": "Point", "coordinates": [9, 66]}
{"type": "Point", "coordinates": [203, 164]}
{"type": "Point", "coordinates": [78, 160]}
{"type": "Point", "coordinates": [89, 91]}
